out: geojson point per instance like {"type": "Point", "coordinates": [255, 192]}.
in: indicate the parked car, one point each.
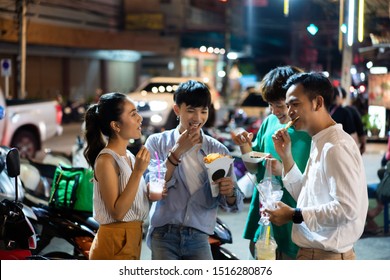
{"type": "Point", "coordinates": [27, 123]}
{"type": "Point", "coordinates": [249, 113]}
{"type": "Point", "coordinates": [74, 111]}
{"type": "Point", "coordinates": [253, 104]}
{"type": "Point", "coordinates": [154, 100]}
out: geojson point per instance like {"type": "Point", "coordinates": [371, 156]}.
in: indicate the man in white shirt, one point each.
{"type": "Point", "coordinates": [331, 194]}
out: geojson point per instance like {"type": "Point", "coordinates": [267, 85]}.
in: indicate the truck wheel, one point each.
{"type": "Point", "coordinates": [26, 142]}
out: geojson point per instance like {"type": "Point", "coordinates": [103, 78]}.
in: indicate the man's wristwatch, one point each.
{"type": "Point", "coordinates": [297, 217]}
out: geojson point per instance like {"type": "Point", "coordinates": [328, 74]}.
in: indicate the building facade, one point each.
{"type": "Point", "coordinates": [75, 47]}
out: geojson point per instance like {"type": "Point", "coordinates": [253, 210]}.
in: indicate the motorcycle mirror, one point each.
{"type": "Point", "coordinates": [13, 163]}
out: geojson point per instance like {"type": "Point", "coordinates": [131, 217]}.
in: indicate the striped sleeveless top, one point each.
{"type": "Point", "coordinates": [139, 210]}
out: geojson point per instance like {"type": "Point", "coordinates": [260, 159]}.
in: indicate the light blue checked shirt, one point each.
{"type": "Point", "coordinates": [199, 209]}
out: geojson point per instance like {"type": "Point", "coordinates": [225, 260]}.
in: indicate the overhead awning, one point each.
{"type": "Point", "coordinates": [380, 46]}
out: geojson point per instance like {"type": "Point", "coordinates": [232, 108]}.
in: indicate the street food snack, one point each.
{"type": "Point", "coordinates": [254, 154]}
{"type": "Point", "coordinates": [292, 122]}
{"type": "Point", "coordinates": [218, 166]}
{"type": "Point", "coordinates": [254, 157]}
{"type": "Point", "coordinates": [213, 156]}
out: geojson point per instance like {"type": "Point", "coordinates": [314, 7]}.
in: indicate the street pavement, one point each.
{"type": "Point", "coordinates": [369, 247]}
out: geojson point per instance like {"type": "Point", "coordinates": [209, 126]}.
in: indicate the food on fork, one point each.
{"type": "Point", "coordinates": [213, 156]}
{"type": "Point", "coordinates": [292, 122]}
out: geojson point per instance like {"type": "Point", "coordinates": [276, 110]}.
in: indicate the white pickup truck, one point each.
{"type": "Point", "coordinates": [28, 123]}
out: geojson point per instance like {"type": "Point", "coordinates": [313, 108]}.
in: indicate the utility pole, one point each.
{"type": "Point", "coordinates": [346, 79]}
{"type": "Point", "coordinates": [21, 76]}
{"type": "Point", "coordinates": [225, 83]}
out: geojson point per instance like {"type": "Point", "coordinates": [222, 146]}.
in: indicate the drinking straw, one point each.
{"type": "Point", "coordinates": [257, 187]}
{"type": "Point", "coordinates": [158, 165]}
{"type": "Point", "coordinates": [267, 235]}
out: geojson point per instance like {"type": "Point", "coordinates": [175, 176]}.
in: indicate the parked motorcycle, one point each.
{"type": "Point", "coordinates": [72, 226]}
{"type": "Point", "coordinates": [17, 235]}
{"type": "Point", "coordinates": [55, 224]}
{"type": "Point", "coordinates": [26, 231]}
{"type": "Point", "coordinates": [55, 218]}
{"type": "Point", "coordinates": [222, 235]}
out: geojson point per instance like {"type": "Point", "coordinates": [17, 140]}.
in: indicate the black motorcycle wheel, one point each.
{"type": "Point", "coordinates": [220, 253]}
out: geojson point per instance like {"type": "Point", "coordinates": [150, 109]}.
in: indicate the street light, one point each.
{"type": "Point", "coordinates": [361, 21]}
{"type": "Point", "coordinates": [341, 24]}
{"type": "Point", "coordinates": [312, 29]}
{"type": "Point", "coordinates": [286, 7]}
{"type": "Point", "coordinates": [351, 21]}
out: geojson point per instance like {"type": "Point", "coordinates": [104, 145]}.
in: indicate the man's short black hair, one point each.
{"type": "Point", "coordinates": [314, 84]}
{"type": "Point", "coordinates": [271, 85]}
{"type": "Point", "coordinates": [193, 93]}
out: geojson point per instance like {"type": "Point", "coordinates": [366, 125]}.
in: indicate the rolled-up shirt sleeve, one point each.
{"type": "Point", "coordinates": [237, 206]}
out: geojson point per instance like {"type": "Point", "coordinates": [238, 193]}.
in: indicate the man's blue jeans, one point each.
{"type": "Point", "coordinates": [175, 242]}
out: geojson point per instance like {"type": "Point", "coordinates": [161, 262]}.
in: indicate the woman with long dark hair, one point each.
{"type": "Point", "coordinates": [120, 202]}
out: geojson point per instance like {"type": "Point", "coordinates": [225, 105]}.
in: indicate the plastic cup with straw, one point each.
{"type": "Point", "coordinates": [157, 181]}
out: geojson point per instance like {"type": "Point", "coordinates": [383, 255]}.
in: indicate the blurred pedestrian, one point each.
{"type": "Point", "coordinates": [341, 115]}
{"type": "Point", "coordinates": [120, 203]}
{"type": "Point", "coordinates": [331, 194]}
{"type": "Point", "coordinates": [357, 120]}
{"type": "Point", "coordinates": [59, 99]}
{"type": "Point", "coordinates": [98, 93]}
{"type": "Point", "coordinates": [181, 223]}
{"type": "Point", "coordinates": [371, 225]}
{"type": "Point", "coordinates": [273, 92]}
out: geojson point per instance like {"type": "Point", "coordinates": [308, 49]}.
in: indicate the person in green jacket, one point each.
{"type": "Point", "coordinates": [272, 91]}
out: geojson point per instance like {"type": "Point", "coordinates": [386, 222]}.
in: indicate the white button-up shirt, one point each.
{"type": "Point", "coordinates": [332, 193]}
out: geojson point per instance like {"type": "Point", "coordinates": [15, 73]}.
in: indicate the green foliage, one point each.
{"type": "Point", "coordinates": [371, 122]}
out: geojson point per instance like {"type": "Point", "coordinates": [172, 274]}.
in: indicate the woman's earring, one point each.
{"type": "Point", "coordinates": [177, 118]}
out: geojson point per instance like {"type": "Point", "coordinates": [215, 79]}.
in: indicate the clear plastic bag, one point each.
{"type": "Point", "coordinates": [270, 191]}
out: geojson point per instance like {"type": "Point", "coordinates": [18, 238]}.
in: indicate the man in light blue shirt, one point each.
{"type": "Point", "coordinates": [182, 221]}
